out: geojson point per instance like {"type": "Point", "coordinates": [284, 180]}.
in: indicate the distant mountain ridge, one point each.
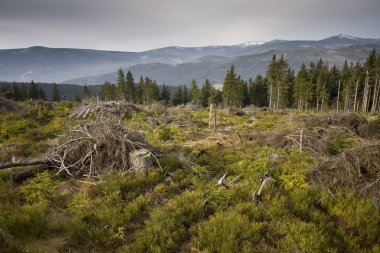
{"type": "Point", "coordinates": [172, 65]}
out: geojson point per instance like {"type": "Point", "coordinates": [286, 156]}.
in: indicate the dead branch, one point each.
{"type": "Point", "coordinates": [23, 164]}
{"type": "Point", "coordinates": [99, 147]}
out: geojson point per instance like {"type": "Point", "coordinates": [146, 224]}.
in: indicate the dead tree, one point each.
{"type": "Point", "coordinates": [365, 94]}
{"type": "Point", "coordinates": [375, 95]}
{"type": "Point", "coordinates": [337, 101]}
{"type": "Point", "coordinates": [356, 94]}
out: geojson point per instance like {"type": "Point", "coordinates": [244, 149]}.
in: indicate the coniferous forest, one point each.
{"type": "Point", "coordinates": [316, 86]}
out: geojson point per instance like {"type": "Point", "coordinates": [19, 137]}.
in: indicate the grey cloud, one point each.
{"type": "Point", "coordinates": [132, 25]}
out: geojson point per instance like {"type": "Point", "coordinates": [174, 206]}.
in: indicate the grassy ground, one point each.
{"type": "Point", "coordinates": [150, 212]}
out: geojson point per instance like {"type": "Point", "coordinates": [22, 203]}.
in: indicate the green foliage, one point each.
{"type": "Point", "coordinates": [358, 220]}
{"type": "Point", "coordinates": [17, 128]}
{"type": "Point", "coordinates": [171, 132]}
{"type": "Point", "coordinates": [340, 142]}
{"type": "Point", "coordinates": [233, 89]}
{"type": "Point", "coordinates": [226, 232]}
{"type": "Point", "coordinates": [27, 221]}
{"type": "Point", "coordinates": [40, 189]}
{"type": "Point", "coordinates": [166, 231]}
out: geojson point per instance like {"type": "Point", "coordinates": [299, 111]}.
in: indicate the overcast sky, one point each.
{"type": "Point", "coordinates": [136, 25]}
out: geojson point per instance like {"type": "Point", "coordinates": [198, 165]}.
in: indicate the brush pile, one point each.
{"type": "Point", "coordinates": [108, 109]}
{"type": "Point", "coordinates": [96, 148]}
{"type": "Point", "coordinates": [357, 169]}
{"type": "Point", "coordinates": [7, 105]}
{"type": "Point", "coordinates": [317, 134]}
{"type": "Point", "coordinates": [350, 121]}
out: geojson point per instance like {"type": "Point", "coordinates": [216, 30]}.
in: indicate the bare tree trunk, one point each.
{"type": "Point", "coordinates": [337, 101]}
{"type": "Point", "coordinates": [356, 94]}
{"type": "Point", "coordinates": [278, 95]}
{"type": "Point", "coordinates": [377, 96]}
{"type": "Point", "coordinates": [373, 108]}
{"type": "Point", "coordinates": [215, 118]}
{"type": "Point", "coordinates": [210, 116]}
{"type": "Point", "coordinates": [301, 139]}
{"type": "Point", "coordinates": [270, 95]}
{"type": "Point", "coordinates": [346, 99]}
{"type": "Point", "coordinates": [365, 94]}
{"type": "Point", "coordinates": [322, 102]}
{"type": "Point", "coordinates": [317, 103]}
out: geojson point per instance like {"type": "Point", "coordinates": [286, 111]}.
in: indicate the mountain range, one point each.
{"type": "Point", "coordinates": [175, 65]}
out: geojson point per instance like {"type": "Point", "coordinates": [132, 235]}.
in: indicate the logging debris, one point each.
{"type": "Point", "coordinates": [8, 105]}
{"type": "Point", "coordinates": [99, 147]}
{"type": "Point", "coordinates": [357, 168]}
{"type": "Point", "coordinates": [351, 121]}
{"type": "Point", "coordinates": [105, 109]}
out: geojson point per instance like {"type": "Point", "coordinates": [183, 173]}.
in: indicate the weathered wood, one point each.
{"type": "Point", "coordinates": [22, 164]}
{"type": "Point", "coordinates": [356, 94]}
{"type": "Point", "coordinates": [337, 101]}
{"type": "Point", "coordinates": [301, 139]}
{"type": "Point", "coordinates": [22, 175]}
{"type": "Point", "coordinates": [141, 159]}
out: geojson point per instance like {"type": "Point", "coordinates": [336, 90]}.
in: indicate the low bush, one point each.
{"type": "Point", "coordinates": [167, 228]}
{"type": "Point", "coordinates": [40, 189]}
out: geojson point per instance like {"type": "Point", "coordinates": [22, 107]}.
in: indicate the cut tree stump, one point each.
{"type": "Point", "coordinates": [141, 160]}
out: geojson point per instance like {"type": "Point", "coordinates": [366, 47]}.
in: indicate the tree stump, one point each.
{"type": "Point", "coordinates": [141, 160]}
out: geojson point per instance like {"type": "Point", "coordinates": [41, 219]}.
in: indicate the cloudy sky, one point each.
{"type": "Point", "coordinates": [136, 25]}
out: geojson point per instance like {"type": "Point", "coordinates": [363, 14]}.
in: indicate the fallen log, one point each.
{"type": "Point", "coordinates": [23, 164]}
{"type": "Point", "coordinates": [22, 175]}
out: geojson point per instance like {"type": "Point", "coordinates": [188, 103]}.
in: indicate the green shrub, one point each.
{"type": "Point", "coordinates": [166, 230]}
{"type": "Point", "coordinates": [28, 221]}
{"type": "Point", "coordinates": [375, 125]}
{"type": "Point", "coordinates": [40, 189]}
{"type": "Point", "coordinates": [225, 232]}
{"type": "Point", "coordinates": [358, 220]}
{"type": "Point", "coordinates": [171, 132]}
{"type": "Point", "coordinates": [300, 236]}
{"type": "Point", "coordinates": [17, 128]}
{"type": "Point", "coordinates": [340, 142]}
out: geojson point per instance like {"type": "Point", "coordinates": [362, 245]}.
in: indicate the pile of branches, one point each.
{"type": "Point", "coordinates": [315, 140]}
{"type": "Point", "coordinates": [357, 169]}
{"type": "Point", "coordinates": [7, 105]}
{"type": "Point", "coordinates": [105, 109]}
{"type": "Point", "coordinates": [351, 121]}
{"type": "Point", "coordinates": [96, 148]}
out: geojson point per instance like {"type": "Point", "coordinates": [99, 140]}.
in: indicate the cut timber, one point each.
{"type": "Point", "coordinates": [22, 164]}
{"type": "Point", "coordinates": [19, 176]}
{"type": "Point", "coordinates": [141, 160]}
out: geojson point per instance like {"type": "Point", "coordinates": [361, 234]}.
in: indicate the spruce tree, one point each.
{"type": "Point", "coordinates": [55, 93]}
{"type": "Point", "coordinates": [194, 93]}
{"type": "Point", "coordinates": [205, 93]}
{"type": "Point", "coordinates": [121, 85]}
{"type": "Point", "coordinates": [140, 91]}
{"type": "Point", "coordinates": [301, 88]}
{"type": "Point", "coordinates": [41, 94]}
{"type": "Point", "coordinates": [33, 91]}
{"type": "Point", "coordinates": [233, 89]}
{"type": "Point", "coordinates": [165, 94]}
{"type": "Point", "coordinates": [130, 87]}
{"type": "Point", "coordinates": [185, 95]}
{"type": "Point", "coordinates": [86, 92]}
{"type": "Point", "coordinates": [16, 91]}
{"type": "Point", "coordinates": [177, 99]}
{"type": "Point", "coordinates": [108, 92]}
